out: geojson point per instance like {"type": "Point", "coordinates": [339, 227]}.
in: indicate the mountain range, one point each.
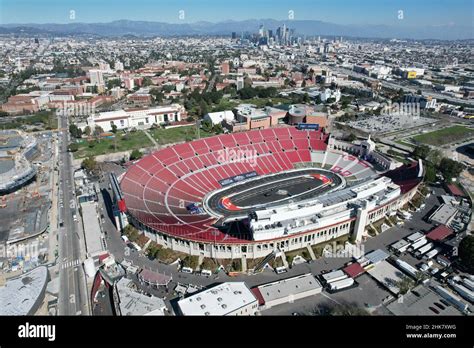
{"type": "Point", "coordinates": [302, 27]}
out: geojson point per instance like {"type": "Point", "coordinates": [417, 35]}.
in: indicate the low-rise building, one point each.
{"type": "Point", "coordinates": [287, 290]}
{"type": "Point", "coordinates": [137, 117]}
{"type": "Point", "coordinates": [231, 298]}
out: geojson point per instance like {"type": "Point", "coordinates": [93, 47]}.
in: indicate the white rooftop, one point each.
{"type": "Point", "coordinates": [92, 230]}
{"type": "Point", "coordinates": [22, 295]}
{"type": "Point", "coordinates": [221, 300]}
{"type": "Point", "coordinates": [291, 286]}
{"type": "Point", "coordinates": [134, 303]}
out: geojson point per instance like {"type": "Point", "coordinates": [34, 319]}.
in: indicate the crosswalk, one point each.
{"type": "Point", "coordinates": [69, 264]}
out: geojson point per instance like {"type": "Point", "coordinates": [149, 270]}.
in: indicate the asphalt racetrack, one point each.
{"type": "Point", "coordinates": [271, 190]}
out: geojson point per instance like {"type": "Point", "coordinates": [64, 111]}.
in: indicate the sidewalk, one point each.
{"type": "Point", "coordinates": [150, 137]}
{"type": "Point", "coordinates": [53, 212]}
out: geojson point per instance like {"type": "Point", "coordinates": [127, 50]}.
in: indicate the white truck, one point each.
{"type": "Point", "coordinates": [341, 284]}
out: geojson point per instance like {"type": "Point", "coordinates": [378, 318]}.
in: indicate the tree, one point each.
{"type": "Point", "coordinates": [247, 93]}
{"type": "Point", "coordinates": [466, 253]}
{"type": "Point", "coordinates": [75, 131]}
{"type": "Point", "coordinates": [98, 130]}
{"type": "Point", "coordinates": [202, 108]}
{"type": "Point", "coordinates": [218, 129]}
{"type": "Point", "coordinates": [191, 261]}
{"type": "Point", "coordinates": [206, 126]}
{"type": "Point", "coordinates": [236, 265]}
{"type": "Point", "coordinates": [421, 151]}
{"type": "Point", "coordinates": [352, 137]}
{"type": "Point", "coordinates": [131, 233]}
{"type": "Point", "coordinates": [405, 284]}
{"type": "Point", "coordinates": [147, 82]}
{"type": "Point", "coordinates": [73, 147]}
{"type": "Point", "coordinates": [89, 164]}
{"type": "Point", "coordinates": [114, 128]}
{"type": "Point", "coordinates": [87, 131]}
{"type": "Point", "coordinates": [450, 168]}
{"type": "Point", "coordinates": [135, 154]}
{"type": "Point", "coordinates": [153, 250]}
{"type": "Point", "coordinates": [113, 83]}
{"type": "Point", "coordinates": [430, 173]}
{"type": "Point", "coordinates": [157, 95]}
{"type": "Point", "coordinates": [435, 157]}
{"type": "Point", "coordinates": [420, 277]}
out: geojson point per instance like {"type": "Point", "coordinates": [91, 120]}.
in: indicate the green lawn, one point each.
{"type": "Point", "coordinates": [121, 142]}
{"type": "Point", "coordinates": [261, 102]}
{"type": "Point", "coordinates": [224, 104]}
{"type": "Point", "coordinates": [178, 134]}
{"type": "Point", "coordinates": [445, 136]}
{"type": "Point", "coordinates": [42, 119]}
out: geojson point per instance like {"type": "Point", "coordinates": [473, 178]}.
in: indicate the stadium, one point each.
{"type": "Point", "coordinates": [248, 194]}
{"type": "Point", "coordinates": [16, 152]}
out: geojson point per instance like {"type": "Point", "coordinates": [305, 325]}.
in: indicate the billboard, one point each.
{"type": "Point", "coordinates": [237, 178]}
{"type": "Point", "coordinates": [411, 75]}
{"type": "Point", "coordinates": [312, 126]}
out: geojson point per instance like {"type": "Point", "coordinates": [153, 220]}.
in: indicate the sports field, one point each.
{"type": "Point", "coordinates": [445, 136]}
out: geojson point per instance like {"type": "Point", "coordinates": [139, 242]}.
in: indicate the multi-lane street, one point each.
{"type": "Point", "coordinates": [407, 89]}
{"type": "Point", "coordinates": [73, 298]}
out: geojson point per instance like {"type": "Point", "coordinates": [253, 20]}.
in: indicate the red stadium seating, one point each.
{"type": "Point", "coordinates": [158, 187]}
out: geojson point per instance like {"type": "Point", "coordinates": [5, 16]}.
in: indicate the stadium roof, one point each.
{"type": "Point", "coordinates": [439, 233]}
{"type": "Point", "coordinates": [23, 295]}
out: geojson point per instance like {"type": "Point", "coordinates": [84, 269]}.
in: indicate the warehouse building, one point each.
{"type": "Point", "coordinates": [231, 298]}
{"type": "Point", "coordinates": [286, 290]}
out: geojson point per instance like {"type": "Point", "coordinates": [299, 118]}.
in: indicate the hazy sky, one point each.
{"type": "Point", "coordinates": [415, 12]}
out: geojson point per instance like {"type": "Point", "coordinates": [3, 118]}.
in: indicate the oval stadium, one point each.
{"type": "Point", "coordinates": [248, 194]}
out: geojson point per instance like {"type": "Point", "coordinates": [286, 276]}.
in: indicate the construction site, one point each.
{"type": "Point", "coordinates": [26, 168]}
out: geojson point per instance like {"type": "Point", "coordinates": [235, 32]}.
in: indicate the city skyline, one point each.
{"type": "Point", "coordinates": [419, 13]}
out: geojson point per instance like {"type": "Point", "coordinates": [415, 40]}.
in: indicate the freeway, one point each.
{"type": "Point", "coordinates": [73, 298]}
{"type": "Point", "coordinates": [395, 86]}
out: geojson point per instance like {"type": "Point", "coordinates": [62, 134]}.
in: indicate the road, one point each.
{"type": "Point", "coordinates": [73, 297]}
{"type": "Point", "coordinates": [413, 90]}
